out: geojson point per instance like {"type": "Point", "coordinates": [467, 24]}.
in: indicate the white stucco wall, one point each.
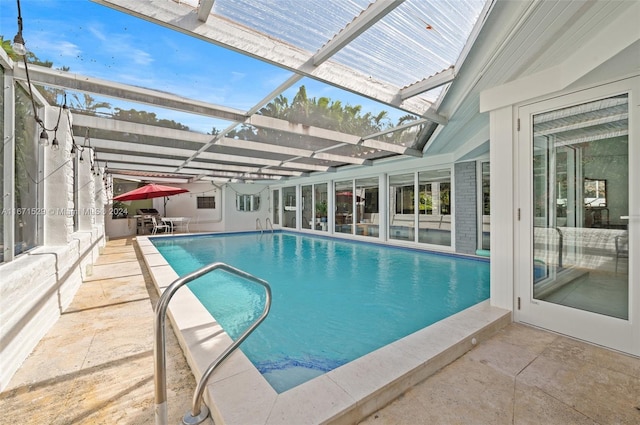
{"type": "Point", "coordinates": [224, 217]}
{"type": "Point", "coordinates": [503, 210]}
{"type": "Point", "coordinates": [37, 286]}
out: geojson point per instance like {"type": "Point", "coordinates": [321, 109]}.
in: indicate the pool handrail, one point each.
{"type": "Point", "coordinates": [198, 412]}
{"type": "Point", "coordinates": [268, 224]}
{"type": "Point", "coordinates": [259, 225]}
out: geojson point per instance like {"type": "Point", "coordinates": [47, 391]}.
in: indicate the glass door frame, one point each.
{"type": "Point", "coordinates": [615, 333]}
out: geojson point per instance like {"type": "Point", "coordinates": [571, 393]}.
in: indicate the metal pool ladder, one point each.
{"type": "Point", "coordinates": [267, 224]}
{"type": "Point", "coordinates": [198, 412]}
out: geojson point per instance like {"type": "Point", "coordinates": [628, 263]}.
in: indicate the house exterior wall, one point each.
{"type": "Point", "coordinates": [39, 285]}
{"type": "Point", "coordinates": [503, 210]}
{"type": "Point", "coordinates": [224, 217]}
{"type": "Point", "coordinates": [466, 210]}
{"type": "Point", "coordinates": [607, 64]}
{"type": "Point", "coordinates": [245, 220]}
{"type": "Point", "coordinates": [186, 205]}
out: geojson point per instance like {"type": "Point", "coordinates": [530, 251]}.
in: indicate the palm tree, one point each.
{"type": "Point", "coordinates": [87, 104]}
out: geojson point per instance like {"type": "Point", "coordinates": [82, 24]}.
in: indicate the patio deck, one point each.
{"type": "Point", "coordinates": [95, 367]}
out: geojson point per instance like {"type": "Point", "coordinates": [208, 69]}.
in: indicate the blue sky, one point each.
{"type": "Point", "coordinates": [97, 41]}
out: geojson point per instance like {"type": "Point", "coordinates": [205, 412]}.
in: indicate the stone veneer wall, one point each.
{"type": "Point", "coordinates": [36, 287]}
{"type": "Point", "coordinates": [466, 207]}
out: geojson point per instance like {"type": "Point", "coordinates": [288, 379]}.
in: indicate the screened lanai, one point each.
{"type": "Point", "coordinates": [501, 132]}
{"type": "Point", "coordinates": [246, 91]}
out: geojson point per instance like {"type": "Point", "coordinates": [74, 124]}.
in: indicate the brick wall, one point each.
{"type": "Point", "coordinates": [466, 222]}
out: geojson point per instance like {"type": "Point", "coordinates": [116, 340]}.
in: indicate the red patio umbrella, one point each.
{"type": "Point", "coordinates": [149, 191]}
{"type": "Point", "coordinates": [347, 194]}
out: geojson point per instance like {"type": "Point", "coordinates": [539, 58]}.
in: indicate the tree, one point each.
{"type": "Point", "coordinates": [85, 103]}
{"type": "Point", "coordinates": [330, 114]}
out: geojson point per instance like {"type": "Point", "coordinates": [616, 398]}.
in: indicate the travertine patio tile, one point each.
{"type": "Point", "coordinates": [600, 393]}
{"type": "Point", "coordinates": [95, 365]}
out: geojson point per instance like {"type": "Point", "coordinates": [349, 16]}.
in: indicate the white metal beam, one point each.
{"type": "Point", "coordinates": [190, 136]}
{"type": "Point", "coordinates": [189, 173]}
{"type": "Point", "coordinates": [67, 80]}
{"type": "Point", "coordinates": [321, 133]}
{"type": "Point", "coordinates": [285, 150]}
{"type": "Point", "coordinates": [245, 40]}
{"type": "Point", "coordinates": [204, 9]}
{"type": "Point", "coordinates": [62, 79]}
{"type": "Point", "coordinates": [363, 22]}
{"type": "Point", "coordinates": [429, 83]}
{"type": "Point", "coordinates": [132, 158]}
{"type": "Point", "coordinates": [373, 14]}
{"type": "Point", "coordinates": [127, 147]}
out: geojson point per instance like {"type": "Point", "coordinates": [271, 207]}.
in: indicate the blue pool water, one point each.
{"type": "Point", "coordinates": [333, 300]}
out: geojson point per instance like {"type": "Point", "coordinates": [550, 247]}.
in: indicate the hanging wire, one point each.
{"type": "Point", "coordinates": [240, 193]}
{"type": "Point", "coordinates": [36, 117]}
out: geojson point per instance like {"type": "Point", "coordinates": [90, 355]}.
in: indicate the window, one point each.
{"type": "Point", "coordinates": [420, 207]}
{"type": "Point", "coordinates": [276, 206]}
{"type": "Point", "coordinates": [247, 203]}
{"type": "Point", "coordinates": [206, 202]}
{"type": "Point", "coordinates": [307, 207]}
{"type": "Point", "coordinates": [401, 207]}
{"type": "Point", "coordinates": [321, 206]}
{"type": "Point", "coordinates": [434, 207]}
{"type": "Point", "coordinates": [595, 193]}
{"type": "Point", "coordinates": [581, 157]}
{"type": "Point", "coordinates": [344, 207]}
{"type": "Point", "coordinates": [289, 207]}
{"type": "Point", "coordinates": [26, 226]}
{"type": "Point", "coordinates": [367, 217]}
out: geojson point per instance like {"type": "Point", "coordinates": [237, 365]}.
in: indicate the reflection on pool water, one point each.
{"type": "Point", "coordinates": [333, 300]}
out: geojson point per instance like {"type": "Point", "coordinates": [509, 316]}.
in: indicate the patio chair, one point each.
{"type": "Point", "coordinates": [157, 226]}
{"type": "Point", "coordinates": [185, 224]}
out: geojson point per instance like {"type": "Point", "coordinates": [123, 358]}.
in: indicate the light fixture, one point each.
{"type": "Point", "coordinates": [44, 138]}
{"type": "Point", "coordinates": [18, 41]}
{"type": "Point", "coordinates": [18, 45]}
{"type": "Point", "coordinates": [55, 146]}
{"type": "Point", "coordinates": [74, 148]}
{"type": "Point", "coordinates": [81, 159]}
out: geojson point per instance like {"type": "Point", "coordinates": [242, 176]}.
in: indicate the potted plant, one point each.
{"type": "Point", "coordinates": [321, 211]}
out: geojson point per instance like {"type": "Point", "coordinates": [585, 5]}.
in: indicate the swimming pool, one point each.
{"type": "Point", "coordinates": [333, 300]}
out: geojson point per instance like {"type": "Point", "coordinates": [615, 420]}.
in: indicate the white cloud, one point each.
{"type": "Point", "coordinates": [53, 47]}
{"type": "Point", "coordinates": [122, 46]}
{"type": "Point", "coordinates": [68, 49]}
{"type": "Point", "coordinates": [237, 76]}
{"type": "Point", "coordinates": [93, 29]}
{"type": "Point", "coordinates": [140, 57]}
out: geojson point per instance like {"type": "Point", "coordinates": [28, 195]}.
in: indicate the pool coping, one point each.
{"type": "Point", "coordinates": [239, 394]}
